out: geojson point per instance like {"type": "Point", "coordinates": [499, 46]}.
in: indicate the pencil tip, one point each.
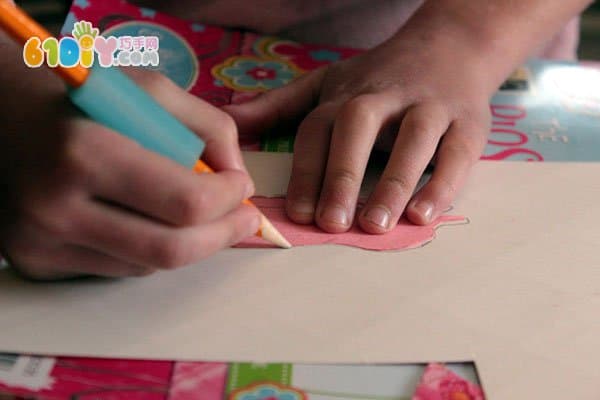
{"type": "Point", "coordinates": [271, 234]}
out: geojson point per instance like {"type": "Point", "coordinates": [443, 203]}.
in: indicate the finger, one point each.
{"type": "Point", "coordinates": [36, 254]}
{"type": "Point", "coordinates": [279, 106]}
{"type": "Point", "coordinates": [356, 127]}
{"type": "Point", "coordinates": [415, 145]}
{"type": "Point", "coordinates": [122, 172]}
{"type": "Point", "coordinates": [87, 262]}
{"type": "Point", "coordinates": [70, 262]}
{"type": "Point", "coordinates": [139, 241]}
{"type": "Point", "coordinates": [26, 246]}
{"type": "Point", "coordinates": [310, 159]}
{"type": "Point", "coordinates": [215, 127]}
{"type": "Point", "coordinates": [460, 149]}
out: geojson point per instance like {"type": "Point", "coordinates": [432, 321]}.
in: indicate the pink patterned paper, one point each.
{"type": "Point", "coordinates": [439, 383]}
{"type": "Point", "coordinates": [114, 379]}
{"type": "Point", "coordinates": [106, 379]}
{"type": "Point", "coordinates": [405, 236]}
{"type": "Point", "coordinates": [198, 381]}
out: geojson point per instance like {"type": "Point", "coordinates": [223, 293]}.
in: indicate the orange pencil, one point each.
{"type": "Point", "coordinates": [94, 92]}
{"type": "Point", "coordinates": [267, 231]}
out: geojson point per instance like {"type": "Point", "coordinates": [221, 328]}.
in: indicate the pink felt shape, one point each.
{"type": "Point", "coordinates": [405, 236]}
{"type": "Point", "coordinates": [439, 383]}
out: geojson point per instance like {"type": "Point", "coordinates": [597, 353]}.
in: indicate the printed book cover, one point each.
{"type": "Point", "coordinates": [546, 111]}
{"type": "Point", "coordinates": [65, 378]}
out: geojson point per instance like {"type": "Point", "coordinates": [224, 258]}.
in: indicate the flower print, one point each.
{"type": "Point", "coordinates": [245, 73]}
{"type": "Point", "coordinates": [304, 56]}
{"type": "Point", "coordinates": [324, 55]}
{"type": "Point", "coordinates": [267, 391]}
{"type": "Point", "coordinates": [440, 383]}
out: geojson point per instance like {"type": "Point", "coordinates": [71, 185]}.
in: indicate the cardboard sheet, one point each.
{"type": "Point", "coordinates": [517, 290]}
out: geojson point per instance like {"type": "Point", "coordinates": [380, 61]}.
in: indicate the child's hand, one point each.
{"type": "Point", "coordinates": [79, 199]}
{"type": "Point", "coordinates": [417, 102]}
{"type": "Point", "coordinates": [423, 95]}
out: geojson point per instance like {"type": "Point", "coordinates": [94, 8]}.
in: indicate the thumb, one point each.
{"type": "Point", "coordinates": [278, 107]}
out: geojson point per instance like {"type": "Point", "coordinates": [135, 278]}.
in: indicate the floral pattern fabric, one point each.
{"type": "Point", "coordinates": [268, 391]}
{"type": "Point", "coordinates": [246, 73]}
{"type": "Point", "coordinates": [440, 383]}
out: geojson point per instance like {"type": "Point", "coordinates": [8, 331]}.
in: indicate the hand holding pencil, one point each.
{"type": "Point", "coordinates": [89, 201]}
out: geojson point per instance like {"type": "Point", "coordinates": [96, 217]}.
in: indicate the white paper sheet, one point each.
{"type": "Point", "coordinates": [517, 290]}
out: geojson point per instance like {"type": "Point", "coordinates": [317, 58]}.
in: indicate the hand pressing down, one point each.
{"type": "Point", "coordinates": [421, 103]}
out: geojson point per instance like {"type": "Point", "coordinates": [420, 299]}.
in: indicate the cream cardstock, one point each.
{"type": "Point", "coordinates": [517, 290]}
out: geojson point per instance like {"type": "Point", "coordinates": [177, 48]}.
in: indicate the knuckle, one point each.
{"type": "Point", "coordinates": [446, 185]}
{"type": "Point", "coordinates": [360, 107]}
{"type": "Point", "coordinates": [74, 164]}
{"type": "Point", "coordinates": [60, 226]}
{"type": "Point", "coordinates": [191, 205]}
{"type": "Point", "coordinates": [345, 176]}
{"type": "Point", "coordinates": [227, 126]}
{"type": "Point", "coordinates": [464, 148]}
{"type": "Point", "coordinates": [55, 218]}
{"type": "Point", "coordinates": [424, 125]}
{"type": "Point", "coordinates": [396, 183]}
{"type": "Point", "coordinates": [417, 123]}
{"type": "Point", "coordinates": [321, 119]}
{"type": "Point", "coordinates": [170, 253]}
{"type": "Point", "coordinates": [475, 110]}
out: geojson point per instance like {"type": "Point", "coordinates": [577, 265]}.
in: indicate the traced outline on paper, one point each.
{"type": "Point", "coordinates": [406, 236]}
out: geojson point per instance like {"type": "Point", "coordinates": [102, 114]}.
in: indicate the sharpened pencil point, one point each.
{"type": "Point", "coordinates": [271, 234]}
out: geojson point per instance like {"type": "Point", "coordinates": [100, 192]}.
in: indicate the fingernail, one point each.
{"type": "Point", "coordinates": [379, 216]}
{"type": "Point", "coordinates": [249, 189]}
{"type": "Point", "coordinates": [425, 209]}
{"type": "Point", "coordinates": [240, 164]}
{"type": "Point", "coordinates": [336, 215]}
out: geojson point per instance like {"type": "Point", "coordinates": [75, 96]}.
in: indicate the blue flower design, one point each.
{"type": "Point", "coordinates": [268, 391]}
{"type": "Point", "coordinates": [324, 55]}
{"type": "Point", "coordinates": [147, 12]}
{"type": "Point", "coordinates": [196, 27]}
{"type": "Point", "coordinates": [83, 4]}
{"type": "Point", "coordinates": [249, 73]}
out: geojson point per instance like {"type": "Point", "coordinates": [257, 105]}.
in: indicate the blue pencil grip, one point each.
{"type": "Point", "coordinates": [112, 99]}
